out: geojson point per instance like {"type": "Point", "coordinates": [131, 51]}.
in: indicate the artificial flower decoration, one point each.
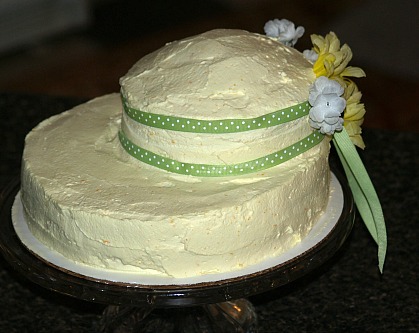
{"type": "Point", "coordinates": [310, 55]}
{"type": "Point", "coordinates": [330, 65]}
{"type": "Point", "coordinates": [327, 105]}
{"type": "Point", "coordinates": [283, 30]}
{"type": "Point", "coordinates": [324, 86]}
{"type": "Point", "coordinates": [354, 114]}
{"type": "Point", "coordinates": [336, 110]}
{"type": "Point", "coordinates": [333, 59]}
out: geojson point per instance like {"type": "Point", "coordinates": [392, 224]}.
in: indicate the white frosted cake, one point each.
{"type": "Point", "coordinates": [205, 163]}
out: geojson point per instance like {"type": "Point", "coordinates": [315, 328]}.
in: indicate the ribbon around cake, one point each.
{"type": "Point", "coordinates": [217, 126]}
{"type": "Point", "coordinates": [213, 170]}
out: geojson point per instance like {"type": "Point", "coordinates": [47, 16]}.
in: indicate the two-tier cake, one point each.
{"type": "Point", "coordinates": [204, 163]}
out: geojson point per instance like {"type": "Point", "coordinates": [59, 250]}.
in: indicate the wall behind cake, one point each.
{"type": "Point", "coordinates": [87, 59]}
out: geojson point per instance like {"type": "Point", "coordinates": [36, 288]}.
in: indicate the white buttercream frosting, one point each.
{"type": "Point", "coordinates": [220, 74]}
{"type": "Point", "coordinates": [86, 198]}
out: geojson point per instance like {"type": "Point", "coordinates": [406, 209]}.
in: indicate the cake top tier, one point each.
{"type": "Point", "coordinates": [219, 74]}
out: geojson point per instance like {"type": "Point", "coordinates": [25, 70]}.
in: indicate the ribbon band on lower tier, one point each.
{"type": "Point", "coordinates": [214, 170]}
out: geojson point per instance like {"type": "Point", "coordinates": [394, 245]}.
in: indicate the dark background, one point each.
{"type": "Point", "coordinates": [51, 72]}
{"type": "Point", "coordinates": [87, 57]}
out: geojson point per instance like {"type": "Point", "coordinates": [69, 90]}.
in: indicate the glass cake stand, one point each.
{"type": "Point", "coordinates": [216, 303]}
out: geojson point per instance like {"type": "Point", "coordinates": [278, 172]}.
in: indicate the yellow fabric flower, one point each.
{"type": "Point", "coordinates": [332, 62]}
{"type": "Point", "coordinates": [353, 114]}
{"type": "Point", "coordinates": [333, 59]}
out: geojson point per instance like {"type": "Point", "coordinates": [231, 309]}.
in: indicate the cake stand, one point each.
{"type": "Point", "coordinates": [210, 304]}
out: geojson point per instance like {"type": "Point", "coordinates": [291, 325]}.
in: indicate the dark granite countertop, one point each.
{"type": "Point", "coordinates": [346, 294]}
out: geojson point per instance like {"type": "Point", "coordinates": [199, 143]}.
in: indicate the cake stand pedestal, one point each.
{"type": "Point", "coordinates": [232, 316]}
{"type": "Point", "coordinates": [209, 306]}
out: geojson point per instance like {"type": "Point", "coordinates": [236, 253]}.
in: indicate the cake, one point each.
{"type": "Point", "coordinates": [204, 163]}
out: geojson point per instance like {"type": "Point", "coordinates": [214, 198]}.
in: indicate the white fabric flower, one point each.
{"type": "Point", "coordinates": [310, 55]}
{"type": "Point", "coordinates": [327, 105]}
{"type": "Point", "coordinates": [283, 30]}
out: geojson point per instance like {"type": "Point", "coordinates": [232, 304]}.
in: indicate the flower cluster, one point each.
{"type": "Point", "coordinates": [284, 31]}
{"type": "Point", "coordinates": [334, 93]}
{"type": "Point", "coordinates": [354, 114]}
{"type": "Point", "coordinates": [331, 61]}
{"type": "Point", "coordinates": [327, 105]}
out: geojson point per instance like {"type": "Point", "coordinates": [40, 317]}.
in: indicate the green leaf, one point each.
{"type": "Point", "coordinates": [365, 196]}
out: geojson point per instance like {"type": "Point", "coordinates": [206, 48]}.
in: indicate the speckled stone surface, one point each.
{"type": "Point", "coordinates": [346, 294]}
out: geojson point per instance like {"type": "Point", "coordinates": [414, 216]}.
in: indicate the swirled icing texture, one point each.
{"type": "Point", "coordinates": [87, 199]}
{"type": "Point", "coordinates": [220, 74]}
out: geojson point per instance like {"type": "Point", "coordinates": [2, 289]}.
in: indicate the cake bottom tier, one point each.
{"type": "Point", "coordinates": [86, 198]}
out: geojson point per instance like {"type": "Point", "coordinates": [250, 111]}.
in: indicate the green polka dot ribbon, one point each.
{"type": "Point", "coordinates": [213, 170]}
{"type": "Point", "coordinates": [217, 126]}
